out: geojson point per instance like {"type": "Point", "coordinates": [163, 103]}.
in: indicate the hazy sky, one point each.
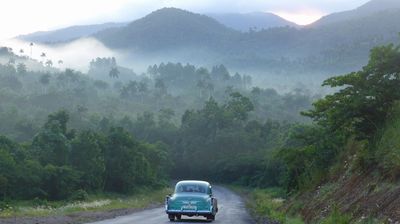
{"type": "Point", "coordinates": [25, 16]}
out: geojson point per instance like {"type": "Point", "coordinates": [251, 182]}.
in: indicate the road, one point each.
{"type": "Point", "coordinates": [231, 210]}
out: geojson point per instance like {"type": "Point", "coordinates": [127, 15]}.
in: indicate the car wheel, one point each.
{"type": "Point", "coordinates": [210, 218]}
{"type": "Point", "coordinates": [178, 217]}
{"type": "Point", "coordinates": [171, 218]}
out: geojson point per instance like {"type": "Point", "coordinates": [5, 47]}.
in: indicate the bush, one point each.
{"type": "Point", "coordinates": [388, 147]}
{"type": "Point", "coordinates": [337, 217]}
{"type": "Point", "coordinates": [79, 195]}
{"type": "Point", "coordinates": [39, 202]}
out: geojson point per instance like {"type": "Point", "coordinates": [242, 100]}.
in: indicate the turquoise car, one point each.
{"type": "Point", "coordinates": [191, 198]}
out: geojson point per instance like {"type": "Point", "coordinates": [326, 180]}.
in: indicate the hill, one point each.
{"type": "Point", "coordinates": [371, 7]}
{"type": "Point", "coordinates": [181, 35]}
{"type": "Point", "coordinates": [254, 21]}
{"type": "Point", "coordinates": [68, 33]}
{"type": "Point", "coordinates": [169, 28]}
{"type": "Point", "coordinates": [341, 45]}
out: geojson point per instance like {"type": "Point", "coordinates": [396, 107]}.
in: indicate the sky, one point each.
{"type": "Point", "coordinates": [26, 16]}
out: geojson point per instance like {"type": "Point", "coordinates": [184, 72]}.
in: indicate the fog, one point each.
{"type": "Point", "coordinates": [75, 55]}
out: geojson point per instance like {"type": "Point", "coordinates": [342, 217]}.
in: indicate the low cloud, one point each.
{"type": "Point", "coordinates": [76, 54]}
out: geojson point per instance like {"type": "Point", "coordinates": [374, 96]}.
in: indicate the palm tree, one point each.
{"type": "Point", "coordinates": [45, 80]}
{"type": "Point", "coordinates": [31, 45]}
{"type": "Point", "coordinates": [142, 88]}
{"type": "Point", "coordinates": [201, 85]}
{"type": "Point", "coordinates": [114, 73]}
{"type": "Point", "coordinates": [49, 63]}
{"type": "Point", "coordinates": [43, 56]}
{"type": "Point", "coordinates": [11, 61]}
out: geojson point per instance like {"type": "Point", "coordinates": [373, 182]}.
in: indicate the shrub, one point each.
{"type": "Point", "coordinates": [79, 195]}
{"type": "Point", "coordinates": [337, 217]}
{"type": "Point", "coordinates": [388, 147]}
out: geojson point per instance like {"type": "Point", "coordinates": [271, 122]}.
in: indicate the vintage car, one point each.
{"type": "Point", "coordinates": [191, 198]}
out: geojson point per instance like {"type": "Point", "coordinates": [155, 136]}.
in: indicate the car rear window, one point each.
{"type": "Point", "coordinates": [196, 188]}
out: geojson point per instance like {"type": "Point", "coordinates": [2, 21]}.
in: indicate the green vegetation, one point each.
{"type": "Point", "coordinates": [67, 135]}
{"type": "Point", "coordinates": [265, 205]}
{"type": "Point", "coordinates": [102, 202]}
{"type": "Point", "coordinates": [354, 137]}
{"type": "Point", "coordinates": [337, 217]}
{"type": "Point", "coordinates": [330, 48]}
{"type": "Point", "coordinates": [120, 132]}
{"type": "Point", "coordinates": [60, 163]}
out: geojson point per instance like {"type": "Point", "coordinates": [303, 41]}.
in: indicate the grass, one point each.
{"type": "Point", "coordinates": [266, 204]}
{"type": "Point", "coordinates": [336, 217]}
{"type": "Point", "coordinates": [100, 202]}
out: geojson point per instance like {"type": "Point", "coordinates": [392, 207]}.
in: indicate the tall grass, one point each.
{"type": "Point", "coordinates": [101, 202]}
{"type": "Point", "coordinates": [388, 147]}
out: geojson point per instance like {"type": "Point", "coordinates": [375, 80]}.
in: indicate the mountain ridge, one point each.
{"type": "Point", "coordinates": [68, 33]}
{"type": "Point", "coordinates": [371, 7]}
{"type": "Point", "coordinates": [251, 21]}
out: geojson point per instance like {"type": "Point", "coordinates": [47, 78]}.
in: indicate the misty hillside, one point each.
{"type": "Point", "coordinates": [254, 21]}
{"type": "Point", "coordinates": [67, 34]}
{"type": "Point", "coordinates": [286, 49]}
{"type": "Point", "coordinates": [169, 28]}
{"type": "Point", "coordinates": [371, 7]}
{"type": "Point", "coordinates": [172, 34]}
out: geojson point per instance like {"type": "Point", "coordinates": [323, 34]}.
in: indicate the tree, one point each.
{"type": "Point", "coordinates": [43, 56]}
{"type": "Point", "coordinates": [31, 46]}
{"type": "Point", "coordinates": [60, 181]}
{"type": "Point", "coordinates": [51, 145]}
{"type": "Point", "coordinates": [143, 88]}
{"type": "Point", "coordinates": [11, 61]}
{"type": "Point", "coordinates": [21, 68]}
{"type": "Point", "coordinates": [45, 80]}
{"type": "Point", "coordinates": [239, 106]}
{"type": "Point", "coordinates": [365, 98]}
{"type": "Point", "coordinates": [49, 63]}
{"type": "Point", "coordinates": [7, 172]}
{"type": "Point", "coordinates": [126, 165]}
{"type": "Point", "coordinates": [114, 72]}
{"type": "Point", "coordinates": [87, 157]}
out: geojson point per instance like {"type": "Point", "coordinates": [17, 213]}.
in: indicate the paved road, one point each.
{"type": "Point", "coordinates": [231, 210]}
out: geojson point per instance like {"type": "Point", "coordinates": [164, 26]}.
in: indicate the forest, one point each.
{"type": "Point", "coordinates": [66, 133]}
{"type": "Point", "coordinates": [73, 131]}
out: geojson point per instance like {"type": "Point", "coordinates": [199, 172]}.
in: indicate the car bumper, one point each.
{"type": "Point", "coordinates": [183, 212]}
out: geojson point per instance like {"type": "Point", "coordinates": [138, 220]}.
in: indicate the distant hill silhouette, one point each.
{"type": "Point", "coordinates": [254, 21]}
{"type": "Point", "coordinates": [68, 33]}
{"type": "Point", "coordinates": [335, 47]}
{"type": "Point", "coordinates": [169, 28]}
{"type": "Point", "coordinates": [335, 44]}
{"type": "Point", "coordinates": [371, 7]}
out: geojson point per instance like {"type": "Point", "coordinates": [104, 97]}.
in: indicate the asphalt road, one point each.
{"type": "Point", "coordinates": [231, 210]}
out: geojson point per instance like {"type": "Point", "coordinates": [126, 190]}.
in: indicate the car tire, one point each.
{"type": "Point", "coordinates": [171, 218]}
{"type": "Point", "coordinates": [178, 217]}
{"type": "Point", "coordinates": [210, 218]}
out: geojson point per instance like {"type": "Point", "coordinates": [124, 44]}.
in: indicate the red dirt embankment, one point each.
{"type": "Point", "coordinates": [363, 195]}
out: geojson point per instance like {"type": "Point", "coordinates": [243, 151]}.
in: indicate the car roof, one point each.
{"type": "Point", "coordinates": [193, 182]}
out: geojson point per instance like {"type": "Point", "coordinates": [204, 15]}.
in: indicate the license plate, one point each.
{"type": "Point", "coordinates": [189, 207]}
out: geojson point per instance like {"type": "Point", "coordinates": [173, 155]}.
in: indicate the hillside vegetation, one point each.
{"type": "Point", "coordinates": [67, 134]}
{"type": "Point", "coordinates": [335, 44]}
{"type": "Point", "coordinates": [177, 34]}
{"type": "Point", "coordinates": [337, 168]}
{"type": "Point", "coordinates": [345, 169]}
